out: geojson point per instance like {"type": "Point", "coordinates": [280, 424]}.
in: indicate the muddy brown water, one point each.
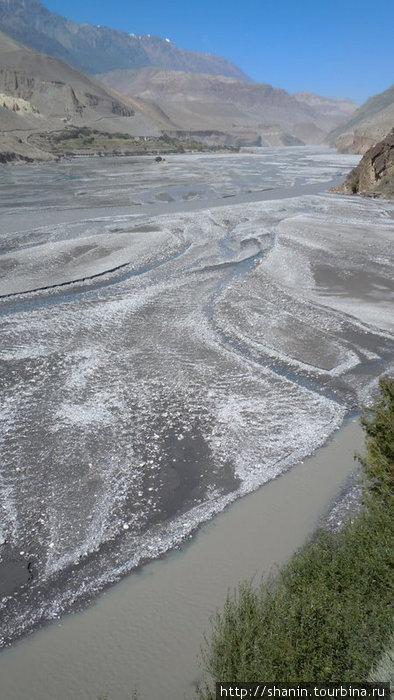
{"type": "Point", "coordinates": [145, 632]}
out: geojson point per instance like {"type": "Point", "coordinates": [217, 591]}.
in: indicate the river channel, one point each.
{"type": "Point", "coordinates": [174, 336]}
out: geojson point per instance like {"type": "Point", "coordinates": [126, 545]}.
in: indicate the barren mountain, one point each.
{"type": "Point", "coordinates": [185, 94]}
{"type": "Point", "coordinates": [201, 101]}
{"type": "Point", "coordinates": [39, 93]}
{"type": "Point", "coordinates": [181, 92]}
{"type": "Point", "coordinates": [331, 110]}
{"type": "Point", "coordinates": [369, 124]}
{"type": "Point", "coordinates": [94, 49]}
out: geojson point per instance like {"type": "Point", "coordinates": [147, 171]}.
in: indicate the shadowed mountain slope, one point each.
{"type": "Point", "coordinates": [94, 49]}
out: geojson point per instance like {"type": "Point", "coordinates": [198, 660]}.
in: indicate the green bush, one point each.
{"type": "Point", "coordinates": [327, 615]}
{"type": "Point", "coordinates": [378, 463]}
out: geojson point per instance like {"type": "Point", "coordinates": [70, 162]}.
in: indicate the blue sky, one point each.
{"type": "Point", "coordinates": [339, 48]}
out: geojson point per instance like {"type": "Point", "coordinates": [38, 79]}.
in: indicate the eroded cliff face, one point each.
{"type": "Point", "coordinates": [374, 175]}
{"type": "Point", "coordinates": [354, 142]}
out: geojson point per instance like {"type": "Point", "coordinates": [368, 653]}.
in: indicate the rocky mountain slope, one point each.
{"type": "Point", "coordinates": [203, 102]}
{"type": "Point", "coordinates": [205, 99]}
{"type": "Point", "coordinates": [94, 49]}
{"type": "Point", "coordinates": [367, 125]}
{"type": "Point", "coordinates": [41, 94]}
{"type": "Point", "coordinates": [374, 175]}
{"type": "Point", "coordinates": [166, 89]}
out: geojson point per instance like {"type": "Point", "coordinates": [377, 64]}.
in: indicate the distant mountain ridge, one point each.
{"type": "Point", "coordinates": [161, 89]}
{"type": "Point", "coordinates": [331, 109]}
{"type": "Point", "coordinates": [40, 94]}
{"type": "Point", "coordinates": [202, 101]}
{"type": "Point", "coordinates": [93, 49]}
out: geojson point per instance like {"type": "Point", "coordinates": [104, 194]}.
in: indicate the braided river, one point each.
{"type": "Point", "coordinates": [174, 336]}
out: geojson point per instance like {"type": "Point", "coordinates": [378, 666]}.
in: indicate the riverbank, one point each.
{"type": "Point", "coordinates": [327, 614]}
{"type": "Point", "coordinates": [146, 631]}
{"type": "Point", "coordinates": [84, 141]}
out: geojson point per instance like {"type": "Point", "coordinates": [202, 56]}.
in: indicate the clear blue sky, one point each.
{"type": "Point", "coordinates": [339, 48]}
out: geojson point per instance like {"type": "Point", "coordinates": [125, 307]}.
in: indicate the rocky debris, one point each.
{"type": "Point", "coordinates": [374, 175]}
{"type": "Point", "coordinates": [17, 104]}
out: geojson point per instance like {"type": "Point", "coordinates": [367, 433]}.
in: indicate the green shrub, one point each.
{"type": "Point", "coordinates": [327, 615]}
{"type": "Point", "coordinates": [378, 463]}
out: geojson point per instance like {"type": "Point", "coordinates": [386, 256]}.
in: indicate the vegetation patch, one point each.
{"type": "Point", "coordinates": [86, 141]}
{"type": "Point", "coordinates": [12, 157]}
{"type": "Point", "coordinates": [327, 615]}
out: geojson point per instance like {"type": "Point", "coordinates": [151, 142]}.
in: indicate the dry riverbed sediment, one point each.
{"type": "Point", "coordinates": [169, 345]}
{"type": "Point", "coordinates": [145, 633]}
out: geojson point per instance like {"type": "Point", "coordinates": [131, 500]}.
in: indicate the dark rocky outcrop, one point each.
{"type": "Point", "coordinates": [12, 157]}
{"type": "Point", "coordinates": [374, 175]}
